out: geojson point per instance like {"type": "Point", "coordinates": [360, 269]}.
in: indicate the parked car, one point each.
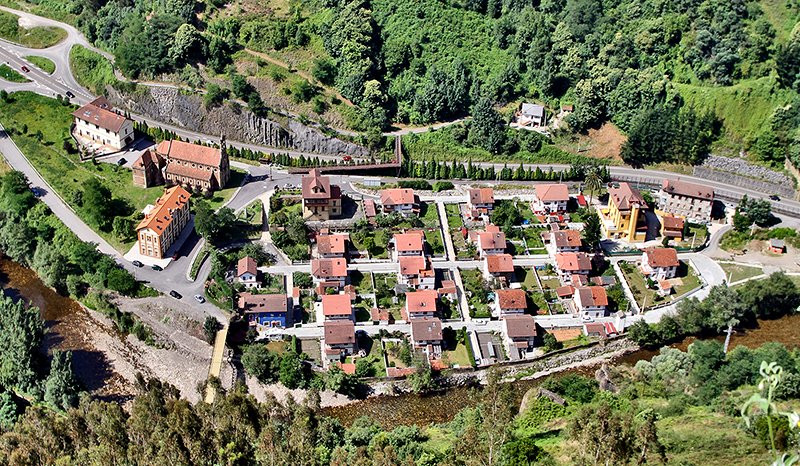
{"type": "Point", "coordinates": [775, 197]}
{"type": "Point", "coordinates": [137, 264]}
{"type": "Point", "coordinates": [175, 294]}
{"type": "Point", "coordinates": [70, 95]}
{"type": "Point", "coordinates": [121, 161]}
{"type": "Point", "coordinates": [26, 69]}
{"type": "Point", "coordinates": [199, 298]}
{"type": "Point", "coordinates": [347, 158]}
{"type": "Point", "coordinates": [157, 268]}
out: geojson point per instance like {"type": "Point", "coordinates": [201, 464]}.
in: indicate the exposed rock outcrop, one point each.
{"type": "Point", "coordinates": [175, 107]}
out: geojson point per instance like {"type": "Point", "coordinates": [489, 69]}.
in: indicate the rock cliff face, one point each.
{"type": "Point", "coordinates": [232, 120]}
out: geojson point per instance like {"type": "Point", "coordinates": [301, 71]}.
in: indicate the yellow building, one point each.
{"type": "Point", "coordinates": [624, 217]}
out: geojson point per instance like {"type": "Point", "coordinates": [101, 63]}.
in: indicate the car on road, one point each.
{"type": "Point", "coordinates": [199, 298]}
{"type": "Point", "coordinates": [70, 95]}
{"type": "Point", "coordinates": [137, 263]}
{"type": "Point", "coordinates": [121, 161]}
{"type": "Point", "coordinates": [175, 294]}
{"type": "Point", "coordinates": [347, 158]}
{"type": "Point", "coordinates": [157, 268]}
{"type": "Point", "coordinates": [26, 69]}
{"type": "Point", "coordinates": [775, 197]}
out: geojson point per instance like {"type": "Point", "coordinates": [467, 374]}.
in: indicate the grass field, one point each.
{"type": "Point", "coordinates": [63, 171]}
{"type": "Point", "coordinates": [12, 75]}
{"type": "Point", "coordinates": [44, 64]}
{"type": "Point", "coordinates": [646, 297]}
{"type": "Point", "coordinates": [457, 357]}
{"type": "Point", "coordinates": [91, 69]}
{"type": "Point", "coordinates": [38, 37]}
{"type": "Point", "coordinates": [736, 272]}
{"type": "Point", "coordinates": [454, 216]}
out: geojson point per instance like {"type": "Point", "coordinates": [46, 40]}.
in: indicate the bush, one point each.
{"type": "Point", "coordinates": [442, 186]}
{"type": "Point", "coordinates": [414, 184]}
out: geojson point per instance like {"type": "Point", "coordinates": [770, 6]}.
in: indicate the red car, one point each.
{"type": "Point", "coordinates": [26, 69]}
{"type": "Point", "coordinates": [347, 158]}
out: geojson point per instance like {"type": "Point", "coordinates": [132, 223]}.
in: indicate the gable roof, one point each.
{"type": "Point", "coordinates": [512, 299]}
{"type": "Point", "coordinates": [336, 305]}
{"type": "Point", "coordinates": [421, 301]}
{"type": "Point", "coordinates": [100, 112]}
{"type": "Point", "coordinates": [246, 265]}
{"type": "Point", "coordinates": [625, 196]}
{"type": "Point", "coordinates": [573, 261]}
{"type": "Point", "coordinates": [684, 188]}
{"type": "Point", "coordinates": [339, 332]}
{"type": "Point", "coordinates": [369, 207]}
{"type": "Point", "coordinates": [428, 328]}
{"type": "Point", "coordinates": [492, 238]}
{"type": "Point", "coordinates": [592, 295]}
{"type": "Point", "coordinates": [413, 265]}
{"type": "Point", "coordinates": [161, 215]}
{"type": "Point", "coordinates": [397, 196]}
{"type": "Point", "coordinates": [520, 326]}
{"type": "Point", "coordinates": [253, 303]}
{"type": "Point", "coordinates": [327, 268]}
{"type": "Point", "coordinates": [552, 192]}
{"type": "Point", "coordinates": [409, 241]}
{"type": "Point", "coordinates": [535, 110]}
{"type": "Point", "coordinates": [148, 157]}
{"type": "Point", "coordinates": [481, 196]}
{"type": "Point", "coordinates": [331, 244]}
{"type": "Point", "coordinates": [317, 186]}
{"type": "Point", "coordinates": [566, 238]}
{"type": "Point", "coordinates": [500, 263]}
{"type": "Point", "coordinates": [661, 257]}
{"type": "Point", "coordinates": [189, 152]}
{"type": "Point", "coordinates": [188, 171]}
{"type": "Point", "coordinates": [672, 223]}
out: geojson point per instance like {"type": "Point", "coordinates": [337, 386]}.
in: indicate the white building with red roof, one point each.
{"type": "Point", "coordinates": [329, 273]}
{"type": "Point", "coordinates": [491, 241]}
{"type": "Point", "coordinates": [660, 263]}
{"type": "Point", "coordinates": [247, 272]}
{"type": "Point", "coordinates": [688, 200]}
{"type": "Point", "coordinates": [99, 125]}
{"type": "Point", "coordinates": [337, 307]}
{"type": "Point", "coordinates": [510, 302]}
{"type": "Point", "coordinates": [420, 304]}
{"type": "Point", "coordinates": [591, 301]}
{"type": "Point", "coordinates": [416, 272]}
{"type": "Point", "coordinates": [410, 243]}
{"type": "Point", "coordinates": [399, 200]}
{"type": "Point", "coordinates": [332, 245]}
{"type": "Point", "coordinates": [480, 201]}
{"type": "Point", "coordinates": [321, 199]}
{"type": "Point", "coordinates": [163, 223]}
{"type": "Point", "coordinates": [498, 266]}
{"type": "Point", "coordinates": [564, 241]}
{"type": "Point", "coordinates": [550, 198]}
{"type": "Point", "coordinates": [572, 263]}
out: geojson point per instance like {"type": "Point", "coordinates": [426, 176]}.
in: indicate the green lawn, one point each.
{"type": "Point", "coordinates": [362, 283]}
{"type": "Point", "coordinates": [458, 357]}
{"type": "Point", "coordinates": [646, 297]}
{"type": "Point", "coordinates": [528, 278]}
{"type": "Point", "coordinates": [12, 75]}
{"type": "Point", "coordinates": [539, 301]}
{"type": "Point", "coordinates": [429, 214]}
{"type": "Point", "coordinates": [454, 219]}
{"type": "Point", "coordinates": [374, 355]}
{"type": "Point", "coordinates": [63, 171]}
{"type": "Point", "coordinates": [434, 239]}
{"type": "Point", "coordinates": [393, 351]}
{"type": "Point", "coordinates": [91, 69]}
{"type": "Point", "coordinates": [44, 64]}
{"type": "Point", "coordinates": [736, 272]}
{"type": "Point", "coordinates": [38, 37]}
{"type": "Point", "coordinates": [219, 198]}
{"type": "Point", "coordinates": [696, 236]}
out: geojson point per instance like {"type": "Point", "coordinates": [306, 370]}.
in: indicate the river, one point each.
{"type": "Point", "coordinates": [421, 410]}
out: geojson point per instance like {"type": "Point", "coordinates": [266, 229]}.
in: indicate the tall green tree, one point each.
{"type": "Point", "coordinates": [61, 388]}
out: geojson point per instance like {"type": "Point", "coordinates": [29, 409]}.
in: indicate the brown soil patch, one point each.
{"type": "Point", "coordinates": [602, 143]}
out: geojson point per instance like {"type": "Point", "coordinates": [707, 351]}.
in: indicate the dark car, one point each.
{"type": "Point", "coordinates": [137, 263]}
{"type": "Point", "coordinates": [175, 294]}
{"type": "Point", "coordinates": [157, 268]}
{"type": "Point", "coordinates": [70, 95]}
{"type": "Point", "coordinates": [26, 69]}
{"type": "Point", "coordinates": [122, 161]}
{"type": "Point", "coordinates": [775, 197]}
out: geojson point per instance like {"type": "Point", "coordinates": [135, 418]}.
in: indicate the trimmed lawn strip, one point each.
{"type": "Point", "coordinates": [43, 63]}
{"type": "Point", "coordinates": [736, 272]}
{"type": "Point", "coordinates": [12, 75]}
{"type": "Point", "coordinates": [454, 219]}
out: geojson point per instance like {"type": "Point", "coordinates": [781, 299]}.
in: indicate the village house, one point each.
{"type": "Point", "coordinates": [321, 200]}
{"type": "Point", "coordinates": [399, 200]}
{"type": "Point", "coordinates": [672, 227]}
{"type": "Point", "coordinates": [416, 272]}
{"type": "Point", "coordinates": [572, 263]}
{"type": "Point", "coordinates": [410, 243]}
{"type": "Point", "coordinates": [499, 266]}
{"type": "Point", "coordinates": [265, 310]}
{"type": "Point", "coordinates": [660, 263]}
{"type": "Point", "coordinates": [329, 273]}
{"type": "Point", "coordinates": [332, 245]}
{"type": "Point", "coordinates": [98, 124]}
{"type": "Point", "coordinates": [564, 241]}
{"type": "Point", "coordinates": [163, 223]}
{"type": "Point", "coordinates": [688, 200]}
{"type": "Point", "coordinates": [591, 301]}
{"type": "Point", "coordinates": [339, 339]}
{"type": "Point", "coordinates": [600, 330]}
{"type": "Point", "coordinates": [421, 304]}
{"type": "Point", "coordinates": [337, 307]}
{"type": "Point", "coordinates": [480, 202]}
{"type": "Point", "coordinates": [147, 169]}
{"type": "Point", "coordinates": [777, 246]}
{"type": "Point", "coordinates": [247, 272]}
{"type": "Point", "coordinates": [193, 166]}
{"type": "Point", "coordinates": [491, 241]}
{"type": "Point", "coordinates": [520, 335]}
{"type": "Point", "coordinates": [624, 217]}
{"type": "Point", "coordinates": [550, 198]}
{"type": "Point", "coordinates": [426, 333]}
{"type": "Point", "coordinates": [509, 302]}
{"type": "Point", "coordinates": [532, 115]}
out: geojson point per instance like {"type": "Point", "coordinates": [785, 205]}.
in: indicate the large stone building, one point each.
{"type": "Point", "coordinates": [624, 217]}
{"type": "Point", "coordinates": [195, 167]}
{"type": "Point", "coordinates": [688, 200]}
{"type": "Point", "coordinates": [99, 124]}
{"type": "Point", "coordinates": [321, 199]}
{"type": "Point", "coordinates": [162, 224]}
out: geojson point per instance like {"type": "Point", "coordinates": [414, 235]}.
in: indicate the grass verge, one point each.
{"type": "Point", "coordinates": [12, 75]}
{"type": "Point", "coordinates": [38, 37]}
{"type": "Point", "coordinates": [45, 64]}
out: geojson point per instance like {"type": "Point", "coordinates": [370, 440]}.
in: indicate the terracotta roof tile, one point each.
{"type": "Point", "coordinates": [160, 217]}
{"type": "Point", "coordinates": [512, 299]}
{"type": "Point", "coordinates": [409, 241]}
{"type": "Point", "coordinates": [246, 265]}
{"type": "Point", "coordinates": [661, 257]}
{"type": "Point", "coordinates": [625, 196]}
{"type": "Point", "coordinates": [336, 305]}
{"type": "Point", "coordinates": [500, 263]}
{"type": "Point", "coordinates": [329, 268]}
{"type": "Point", "coordinates": [331, 244]}
{"type": "Point", "coordinates": [552, 192]}
{"type": "Point", "coordinates": [426, 329]}
{"type": "Point", "coordinates": [481, 196]}
{"type": "Point", "coordinates": [252, 303]}
{"type": "Point", "coordinates": [566, 238]}
{"type": "Point", "coordinates": [397, 196]}
{"type": "Point", "coordinates": [573, 261]}
{"type": "Point", "coordinates": [421, 301]}
{"type": "Point", "coordinates": [99, 112]}
{"type": "Point", "coordinates": [188, 152]}
{"type": "Point", "coordinates": [520, 326]}
{"type": "Point", "coordinates": [339, 332]}
{"type": "Point", "coordinates": [593, 295]}
{"type": "Point", "coordinates": [684, 188]}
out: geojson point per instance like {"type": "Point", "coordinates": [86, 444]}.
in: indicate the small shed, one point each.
{"type": "Point", "coordinates": [778, 246]}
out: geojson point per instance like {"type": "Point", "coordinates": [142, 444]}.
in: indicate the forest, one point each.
{"type": "Point", "coordinates": [673, 76]}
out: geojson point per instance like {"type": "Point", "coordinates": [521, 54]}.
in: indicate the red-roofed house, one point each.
{"type": "Point", "coordinates": [247, 272]}
{"type": "Point", "coordinates": [339, 339]}
{"type": "Point", "coordinates": [163, 224]}
{"type": "Point", "coordinates": [416, 272]}
{"type": "Point", "coordinates": [399, 200]}
{"type": "Point", "coordinates": [270, 310]}
{"type": "Point", "coordinates": [591, 301]}
{"type": "Point", "coordinates": [660, 263]}
{"type": "Point", "coordinates": [499, 266]}
{"type": "Point", "coordinates": [332, 245]}
{"type": "Point", "coordinates": [196, 167]}
{"type": "Point", "coordinates": [337, 307]}
{"type": "Point", "coordinates": [550, 198]}
{"type": "Point", "coordinates": [565, 241]}
{"type": "Point", "coordinates": [520, 335]}
{"type": "Point", "coordinates": [420, 304]}
{"type": "Point", "coordinates": [572, 263]}
{"type": "Point", "coordinates": [147, 169]}
{"type": "Point", "coordinates": [427, 333]}
{"type": "Point", "coordinates": [688, 200]}
{"type": "Point", "coordinates": [491, 241]}
{"type": "Point", "coordinates": [480, 202]}
{"type": "Point", "coordinates": [510, 302]}
{"type": "Point", "coordinates": [321, 200]}
{"type": "Point", "coordinates": [672, 227]}
{"type": "Point", "coordinates": [410, 243]}
{"type": "Point", "coordinates": [100, 123]}
{"type": "Point", "coordinates": [329, 273]}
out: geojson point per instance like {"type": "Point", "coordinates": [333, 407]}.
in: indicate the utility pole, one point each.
{"type": "Point", "coordinates": [727, 339]}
